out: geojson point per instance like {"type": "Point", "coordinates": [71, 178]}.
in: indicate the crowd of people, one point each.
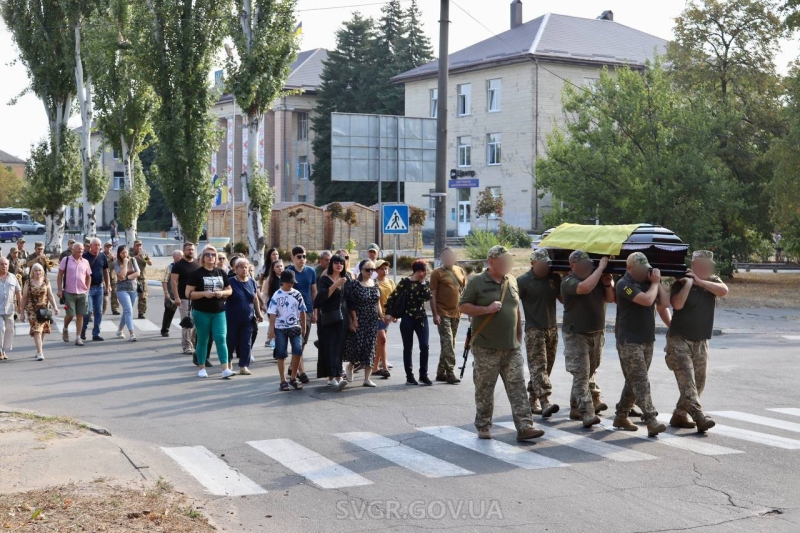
{"type": "Point", "coordinates": [221, 301]}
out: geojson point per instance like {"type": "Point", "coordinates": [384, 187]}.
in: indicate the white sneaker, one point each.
{"type": "Point", "coordinates": [202, 373]}
{"type": "Point", "coordinates": [389, 365]}
{"type": "Point", "coordinates": [252, 358]}
{"type": "Point", "coordinates": [342, 384]}
{"type": "Point", "coordinates": [227, 373]}
{"type": "Point", "coordinates": [120, 335]}
{"type": "Point", "coordinates": [333, 383]}
{"type": "Point", "coordinates": [349, 372]}
{"type": "Point", "coordinates": [369, 383]}
{"type": "Point", "coordinates": [40, 356]}
{"type": "Point", "coordinates": [132, 338]}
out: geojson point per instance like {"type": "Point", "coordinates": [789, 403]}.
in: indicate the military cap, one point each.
{"type": "Point", "coordinates": [38, 244]}
{"type": "Point", "coordinates": [497, 251]}
{"type": "Point", "coordinates": [373, 246]}
{"type": "Point", "coordinates": [579, 255]}
{"type": "Point", "coordinates": [540, 254]}
{"type": "Point", "coordinates": [638, 259]}
{"type": "Point", "coordinates": [703, 254]}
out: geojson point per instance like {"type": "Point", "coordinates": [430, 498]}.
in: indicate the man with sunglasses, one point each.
{"type": "Point", "coordinates": [306, 283]}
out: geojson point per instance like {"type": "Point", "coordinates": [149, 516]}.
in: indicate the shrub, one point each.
{"type": "Point", "coordinates": [404, 262]}
{"type": "Point", "coordinates": [241, 248]}
{"type": "Point", "coordinates": [313, 257]}
{"type": "Point", "coordinates": [516, 236]}
{"type": "Point", "coordinates": [478, 243]}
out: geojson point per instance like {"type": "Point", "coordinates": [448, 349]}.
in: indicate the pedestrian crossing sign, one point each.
{"type": "Point", "coordinates": [395, 219]}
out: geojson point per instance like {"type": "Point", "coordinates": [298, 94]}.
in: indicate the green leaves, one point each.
{"type": "Point", "coordinates": [133, 202]}
{"type": "Point", "coordinates": [53, 174]}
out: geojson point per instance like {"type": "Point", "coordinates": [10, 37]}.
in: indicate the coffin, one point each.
{"type": "Point", "coordinates": [663, 248]}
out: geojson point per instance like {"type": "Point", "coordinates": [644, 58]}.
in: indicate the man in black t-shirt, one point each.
{"type": "Point", "coordinates": [694, 300]}
{"type": "Point", "coordinates": [639, 291]}
{"type": "Point", "coordinates": [178, 278]}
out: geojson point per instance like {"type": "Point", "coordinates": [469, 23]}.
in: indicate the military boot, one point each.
{"type": "Point", "coordinates": [590, 419]}
{"type": "Point", "coordinates": [624, 423]}
{"type": "Point", "coordinates": [635, 412]}
{"type": "Point", "coordinates": [599, 405]}
{"type": "Point", "coordinates": [704, 423]}
{"type": "Point", "coordinates": [575, 413]}
{"type": "Point", "coordinates": [548, 409]}
{"type": "Point", "coordinates": [535, 407]}
{"type": "Point", "coordinates": [681, 420]}
{"type": "Point", "coordinates": [654, 427]}
{"type": "Point", "coordinates": [484, 433]}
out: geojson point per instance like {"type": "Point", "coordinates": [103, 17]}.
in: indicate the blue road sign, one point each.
{"type": "Point", "coordinates": [395, 219]}
{"type": "Point", "coordinates": [463, 183]}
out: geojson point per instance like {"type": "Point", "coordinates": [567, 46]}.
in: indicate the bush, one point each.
{"type": "Point", "coordinates": [516, 236]}
{"type": "Point", "coordinates": [478, 243]}
{"type": "Point", "coordinates": [404, 262]}
{"type": "Point", "coordinates": [241, 248]}
{"type": "Point", "coordinates": [313, 257]}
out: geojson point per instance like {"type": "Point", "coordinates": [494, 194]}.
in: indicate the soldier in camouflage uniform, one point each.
{"type": "Point", "coordinates": [585, 293]}
{"type": "Point", "coordinates": [539, 288]}
{"type": "Point", "coordinates": [143, 260]}
{"type": "Point", "coordinates": [110, 257]}
{"type": "Point", "coordinates": [693, 300]}
{"type": "Point", "coordinates": [639, 291]}
{"type": "Point", "coordinates": [497, 326]}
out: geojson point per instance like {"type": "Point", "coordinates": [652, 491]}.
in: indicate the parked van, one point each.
{"type": "Point", "coordinates": [10, 214]}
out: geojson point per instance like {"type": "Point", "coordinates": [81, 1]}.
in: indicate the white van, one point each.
{"type": "Point", "coordinates": [10, 214]}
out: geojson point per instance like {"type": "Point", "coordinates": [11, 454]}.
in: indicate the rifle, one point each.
{"type": "Point", "coordinates": [467, 343]}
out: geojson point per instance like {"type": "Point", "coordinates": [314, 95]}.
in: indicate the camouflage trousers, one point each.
{"type": "Point", "coordinates": [542, 345]}
{"type": "Point", "coordinates": [507, 364]}
{"type": "Point", "coordinates": [112, 297]}
{"type": "Point", "coordinates": [142, 298]}
{"type": "Point", "coordinates": [448, 328]}
{"type": "Point", "coordinates": [582, 354]}
{"type": "Point", "coordinates": [688, 360]}
{"type": "Point", "coordinates": [635, 361]}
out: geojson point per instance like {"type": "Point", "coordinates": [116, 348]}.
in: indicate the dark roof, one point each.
{"type": "Point", "coordinates": [553, 36]}
{"type": "Point", "coordinates": [9, 159]}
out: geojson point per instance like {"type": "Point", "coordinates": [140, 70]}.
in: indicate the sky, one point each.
{"type": "Point", "coordinates": [25, 123]}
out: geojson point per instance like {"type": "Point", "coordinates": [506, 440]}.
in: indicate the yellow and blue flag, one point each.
{"type": "Point", "coordinates": [298, 29]}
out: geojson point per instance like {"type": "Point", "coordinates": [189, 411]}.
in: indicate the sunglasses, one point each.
{"type": "Point", "coordinates": [337, 262]}
{"type": "Point", "coordinates": [300, 256]}
{"type": "Point", "coordinates": [368, 270]}
{"type": "Point", "coordinates": [209, 254]}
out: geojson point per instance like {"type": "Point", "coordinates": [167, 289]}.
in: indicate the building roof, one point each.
{"type": "Point", "coordinates": [555, 37]}
{"type": "Point", "coordinates": [279, 206]}
{"type": "Point", "coordinates": [9, 159]}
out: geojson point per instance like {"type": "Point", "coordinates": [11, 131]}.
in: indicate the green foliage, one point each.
{"type": "Point", "coordinates": [53, 175]}
{"type": "Point", "coordinates": [517, 237]}
{"type": "Point", "coordinates": [478, 243]}
{"type": "Point", "coordinates": [241, 248]}
{"type": "Point", "coordinates": [335, 211]}
{"type": "Point", "coordinates": [351, 246]}
{"type": "Point", "coordinates": [11, 188]}
{"type": "Point", "coordinates": [416, 217]}
{"type": "Point", "coordinates": [97, 182]}
{"type": "Point", "coordinates": [404, 262]}
{"type": "Point", "coordinates": [488, 205]}
{"type": "Point", "coordinates": [262, 196]}
{"type": "Point", "coordinates": [133, 202]}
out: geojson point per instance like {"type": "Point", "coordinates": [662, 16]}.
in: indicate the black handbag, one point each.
{"type": "Point", "coordinates": [44, 315]}
{"type": "Point", "coordinates": [332, 317]}
{"type": "Point", "coordinates": [139, 288]}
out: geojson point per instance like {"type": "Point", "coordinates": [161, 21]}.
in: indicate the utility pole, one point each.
{"type": "Point", "coordinates": [440, 227]}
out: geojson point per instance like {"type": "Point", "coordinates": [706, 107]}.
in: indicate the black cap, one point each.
{"type": "Point", "coordinates": [287, 276]}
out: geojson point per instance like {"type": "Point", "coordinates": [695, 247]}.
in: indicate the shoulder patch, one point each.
{"type": "Point", "coordinates": [628, 290]}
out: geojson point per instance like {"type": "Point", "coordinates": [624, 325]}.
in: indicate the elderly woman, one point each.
{"type": "Point", "coordinates": [363, 303]}
{"type": "Point", "coordinates": [332, 322]}
{"type": "Point", "coordinates": [10, 292]}
{"type": "Point", "coordinates": [37, 299]}
{"type": "Point", "coordinates": [127, 271]}
{"type": "Point", "coordinates": [242, 313]}
{"type": "Point", "coordinates": [207, 288]}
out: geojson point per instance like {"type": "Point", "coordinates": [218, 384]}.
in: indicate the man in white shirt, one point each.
{"type": "Point", "coordinates": [10, 300]}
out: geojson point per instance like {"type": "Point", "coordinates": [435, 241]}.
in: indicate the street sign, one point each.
{"type": "Point", "coordinates": [457, 173]}
{"type": "Point", "coordinates": [464, 183]}
{"type": "Point", "coordinates": [395, 219]}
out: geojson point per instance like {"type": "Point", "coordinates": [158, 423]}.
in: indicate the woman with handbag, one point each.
{"type": "Point", "coordinates": [39, 304]}
{"type": "Point", "coordinates": [242, 313]}
{"type": "Point", "coordinates": [332, 323]}
{"type": "Point", "coordinates": [127, 271]}
{"type": "Point", "coordinates": [407, 303]}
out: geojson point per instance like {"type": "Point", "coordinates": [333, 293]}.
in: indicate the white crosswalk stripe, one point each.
{"type": "Point", "coordinates": [792, 337]}
{"type": "Point", "coordinates": [142, 324]}
{"type": "Point", "coordinates": [493, 448]}
{"type": "Point", "coordinates": [589, 445]}
{"type": "Point", "coordinates": [405, 456]}
{"type": "Point", "coordinates": [761, 420]}
{"type": "Point", "coordinates": [750, 436]}
{"type": "Point", "coordinates": [669, 439]}
{"type": "Point", "coordinates": [309, 464]}
{"type": "Point", "coordinates": [212, 472]}
{"type": "Point", "coordinates": [794, 411]}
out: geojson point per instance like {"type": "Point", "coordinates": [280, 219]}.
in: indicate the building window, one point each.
{"type": "Point", "coordinates": [434, 102]}
{"type": "Point", "coordinates": [119, 181]}
{"type": "Point", "coordinates": [302, 126]}
{"type": "Point", "coordinates": [493, 94]}
{"type": "Point", "coordinates": [115, 153]}
{"type": "Point", "coordinates": [493, 149]}
{"type": "Point", "coordinates": [495, 192]}
{"type": "Point", "coordinates": [464, 99]}
{"type": "Point", "coordinates": [302, 167]}
{"type": "Point", "coordinates": [301, 197]}
{"type": "Point", "coordinates": [464, 151]}
{"type": "Point", "coordinates": [116, 207]}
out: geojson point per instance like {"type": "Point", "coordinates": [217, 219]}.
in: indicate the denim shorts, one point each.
{"type": "Point", "coordinates": [382, 326]}
{"type": "Point", "coordinates": [282, 340]}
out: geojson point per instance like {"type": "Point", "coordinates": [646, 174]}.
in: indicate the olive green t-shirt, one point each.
{"type": "Point", "coordinates": [583, 313]}
{"type": "Point", "coordinates": [501, 332]}
{"type": "Point", "coordinates": [538, 297]}
{"type": "Point", "coordinates": [695, 320]}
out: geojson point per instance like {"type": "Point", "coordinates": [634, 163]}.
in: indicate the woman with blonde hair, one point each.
{"type": "Point", "coordinates": [39, 304]}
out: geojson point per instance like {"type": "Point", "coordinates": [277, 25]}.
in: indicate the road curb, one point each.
{"type": "Point", "coordinates": [91, 427]}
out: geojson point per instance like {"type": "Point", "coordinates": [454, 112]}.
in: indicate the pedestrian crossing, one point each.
{"type": "Point", "coordinates": [220, 479]}
{"type": "Point", "coordinates": [109, 324]}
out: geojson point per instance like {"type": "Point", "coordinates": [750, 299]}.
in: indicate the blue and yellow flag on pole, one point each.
{"type": "Point", "coordinates": [298, 29]}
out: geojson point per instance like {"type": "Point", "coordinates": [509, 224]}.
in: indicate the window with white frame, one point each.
{"type": "Point", "coordinates": [302, 126]}
{"type": "Point", "coordinates": [302, 167]}
{"type": "Point", "coordinates": [464, 99]}
{"type": "Point", "coordinates": [119, 181]}
{"type": "Point", "coordinates": [464, 151]}
{"type": "Point", "coordinates": [495, 192]}
{"type": "Point", "coordinates": [115, 153]}
{"type": "Point", "coordinates": [493, 95]}
{"type": "Point", "coordinates": [434, 102]}
{"type": "Point", "coordinates": [493, 149]}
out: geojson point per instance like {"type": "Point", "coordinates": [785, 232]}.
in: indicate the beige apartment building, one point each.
{"type": "Point", "coordinates": [504, 98]}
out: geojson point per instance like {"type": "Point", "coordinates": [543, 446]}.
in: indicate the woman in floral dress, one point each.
{"type": "Point", "coordinates": [363, 304]}
{"type": "Point", "coordinates": [37, 295]}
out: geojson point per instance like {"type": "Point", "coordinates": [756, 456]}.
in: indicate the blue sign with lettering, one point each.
{"type": "Point", "coordinates": [464, 183]}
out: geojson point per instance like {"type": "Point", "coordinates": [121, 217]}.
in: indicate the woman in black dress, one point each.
{"type": "Point", "coordinates": [332, 324]}
{"type": "Point", "coordinates": [363, 301]}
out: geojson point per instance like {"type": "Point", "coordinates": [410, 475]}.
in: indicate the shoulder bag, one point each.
{"type": "Point", "coordinates": [329, 318]}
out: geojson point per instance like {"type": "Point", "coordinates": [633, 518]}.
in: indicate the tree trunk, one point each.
{"type": "Point", "coordinates": [84, 95]}
{"type": "Point", "coordinates": [127, 163]}
{"type": "Point", "coordinates": [255, 224]}
{"type": "Point", "coordinates": [54, 224]}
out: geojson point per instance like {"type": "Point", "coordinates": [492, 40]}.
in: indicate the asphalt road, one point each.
{"type": "Point", "coordinates": [406, 458]}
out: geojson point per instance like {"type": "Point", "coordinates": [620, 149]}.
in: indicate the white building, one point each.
{"type": "Point", "coordinates": [504, 98]}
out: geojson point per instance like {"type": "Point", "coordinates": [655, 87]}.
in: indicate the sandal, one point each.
{"type": "Point", "coordinates": [284, 386]}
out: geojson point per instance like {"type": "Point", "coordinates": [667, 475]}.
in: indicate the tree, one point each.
{"type": "Point", "coordinates": [351, 219]}
{"type": "Point", "coordinates": [724, 52]}
{"type": "Point", "coordinates": [176, 49]}
{"type": "Point", "coordinates": [263, 32]}
{"type": "Point", "coordinates": [416, 219]}
{"type": "Point", "coordinates": [638, 150]}
{"type": "Point", "coordinates": [388, 51]}
{"type": "Point", "coordinates": [124, 99]}
{"type": "Point", "coordinates": [11, 188]}
{"type": "Point", "coordinates": [132, 203]}
{"type": "Point", "coordinates": [488, 204]}
{"type": "Point", "coordinates": [416, 49]}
